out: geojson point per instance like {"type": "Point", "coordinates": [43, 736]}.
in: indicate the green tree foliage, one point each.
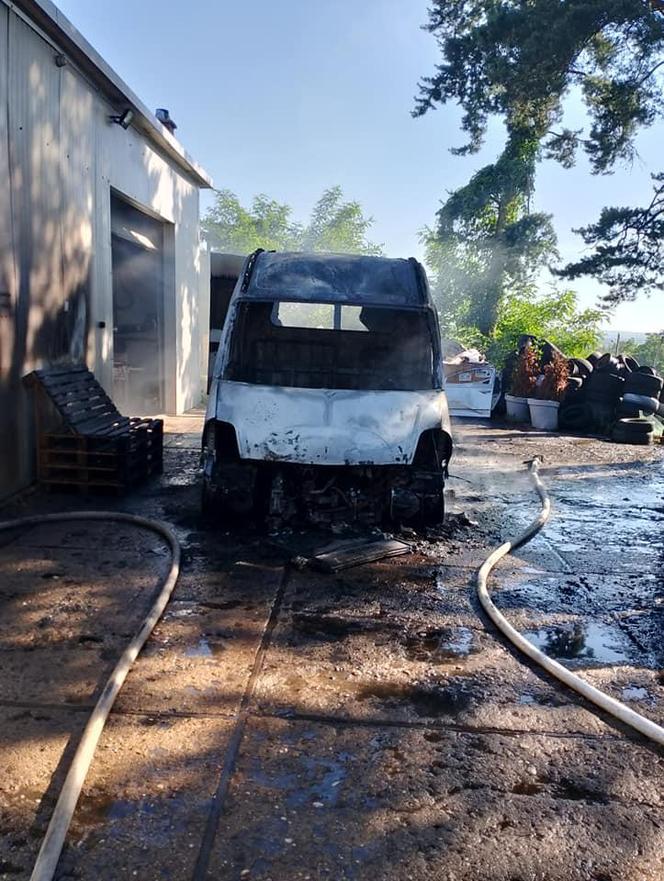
{"type": "Point", "coordinates": [335, 225]}
{"type": "Point", "coordinates": [487, 241]}
{"type": "Point", "coordinates": [650, 353]}
{"type": "Point", "coordinates": [338, 226]}
{"type": "Point", "coordinates": [235, 229]}
{"type": "Point", "coordinates": [554, 315]}
{"type": "Point", "coordinates": [519, 59]}
{"type": "Point", "coordinates": [628, 249]}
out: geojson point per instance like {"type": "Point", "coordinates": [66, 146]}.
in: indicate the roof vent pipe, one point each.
{"type": "Point", "coordinates": [164, 118]}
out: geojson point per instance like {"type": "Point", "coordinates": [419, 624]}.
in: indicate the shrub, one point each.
{"type": "Point", "coordinates": [554, 383]}
{"type": "Point", "coordinates": [526, 371]}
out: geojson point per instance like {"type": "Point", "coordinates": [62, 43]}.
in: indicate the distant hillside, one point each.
{"type": "Point", "coordinates": [611, 338]}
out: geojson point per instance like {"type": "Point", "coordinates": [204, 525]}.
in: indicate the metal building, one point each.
{"type": "Point", "coordinates": [100, 253]}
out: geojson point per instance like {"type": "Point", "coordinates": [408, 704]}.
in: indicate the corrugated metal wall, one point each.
{"type": "Point", "coordinates": [8, 451]}
{"type": "Point", "coordinates": [47, 185]}
{"type": "Point", "coordinates": [60, 158]}
{"type": "Point", "coordinates": [7, 270]}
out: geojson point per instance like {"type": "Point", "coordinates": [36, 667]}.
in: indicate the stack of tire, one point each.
{"type": "Point", "coordinates": [640, 415]}
{"type": "Point", "coordinates": [613, 396]}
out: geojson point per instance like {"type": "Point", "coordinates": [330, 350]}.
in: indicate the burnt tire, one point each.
{"type": "Point", "coordinates": [433, 511]}
{"type": "Point", "coordinates": [574, 385]}
{"type": "Point", "coordinates": [628, 411]}
{"type": "Point", "coordinates": [607, 364]}
{"type": "Point", "coordinates": [602, 416]}
{"type": "Point", "coordinates": [604, 386]}
{"type": "Point", "coordinates": [633, 431]}
{"type": "Point", "coordinates": [643, 402]}
{"type": "Point", "coordinates": [574, 417]}
{"type": "Point", "coordinates": [636, 426]}
{"type": "Point", "coordinates": [211, 509]}
{"type": "Point", "coordinates": [581, 367]}
{"type": "Point", "coordinates": [637, 440]}
{"type": "Point", "coordinates": [216, 512]}
{"type": "Point", "coordinates": [646, 384]}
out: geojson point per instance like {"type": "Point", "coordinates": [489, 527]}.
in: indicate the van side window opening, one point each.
{"type": "Point", "coordinates": [332, 346]}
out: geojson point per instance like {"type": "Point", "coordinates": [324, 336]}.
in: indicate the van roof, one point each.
{"type": "Point", "coordinates": [350, 278]}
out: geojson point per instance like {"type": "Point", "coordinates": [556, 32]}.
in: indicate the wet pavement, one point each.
{"type": "Point", "coordinates": [284, 724]}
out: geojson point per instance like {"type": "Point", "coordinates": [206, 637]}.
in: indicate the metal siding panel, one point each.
{"type": "Point", "coordinates": [34, 97]}
{"type": "Point", "coordinates": [33, 86]}
{"type": "Point", "coordinates": [7, 273]}
{"type": "Point", "coordinates": [77, 164]}
{"type": "Point", "coordinates": [100, 339]}
{"type": "Point", "coordinates": [9, 453]}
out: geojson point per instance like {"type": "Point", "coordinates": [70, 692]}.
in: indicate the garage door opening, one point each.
{"type": "Point", "coordinates": [138, 309]}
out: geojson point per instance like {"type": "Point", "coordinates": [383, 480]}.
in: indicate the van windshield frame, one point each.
{"type": "Point", "coordinates": [324, 345]}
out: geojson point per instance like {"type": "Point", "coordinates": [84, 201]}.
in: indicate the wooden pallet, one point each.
{"type": "Point", "coordinates": [95, 448]}
{"type": "Point", "coordinates": [81, 402]}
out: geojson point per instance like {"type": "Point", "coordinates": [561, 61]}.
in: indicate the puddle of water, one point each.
{"type": "Point", "coordinates": [316, 783]}
{"type": "Point", "coordinates": [182, 611]}
{"type": "Point", "coordinates": [27, 794]}
{"type": "Point", "coordinates": [204, 648]}
{"type": "Point", "coordinates": [588, 641]}
{"type": "Point", "coordinates": [97, 810]}
{"type": "Point", "coordinates": [158, 817]}
{"type": "Point", "coordinates": [461, 643]}
{"type": "Point", "coordinates": [329, 776]}
{"type": "Point", "coordinates": [426, 700]}
{"type": "Point", "coordinates": [635, 693]}
{"type": "Point", "coordinates": [438, 646]}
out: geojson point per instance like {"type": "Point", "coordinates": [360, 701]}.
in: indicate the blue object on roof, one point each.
{"type": "Point", "coordinates": [342, 278]}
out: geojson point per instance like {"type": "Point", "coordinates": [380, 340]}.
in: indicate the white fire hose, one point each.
{"type": "Point", "coordinates": [51, 848]}
{"type": "Point", "coordinates": [617, 709]}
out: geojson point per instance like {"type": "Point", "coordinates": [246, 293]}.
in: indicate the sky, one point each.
{"type": "Point", "coordinates": [290, 98]}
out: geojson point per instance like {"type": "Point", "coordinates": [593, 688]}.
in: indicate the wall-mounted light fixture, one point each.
{"type": "Point", "coordinates": [60, 60]}
{"type": "Point", "coordinates": [124, 119]}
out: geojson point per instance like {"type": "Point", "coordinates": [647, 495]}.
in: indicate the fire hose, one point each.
{"type": "Point", "coordinates": [53, 842]}
{"type": "Point", "coordinates": [602, 700]}
{"type": "Point", "coordinates": [51, 848]}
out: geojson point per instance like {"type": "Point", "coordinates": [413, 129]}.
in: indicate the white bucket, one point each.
{"type": "Point", "coordinates": [517, 409]}
{"type": "Point", "coordinates": [544, 414]}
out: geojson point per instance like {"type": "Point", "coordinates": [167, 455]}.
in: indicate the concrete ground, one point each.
{"type": "Point", "coordinates": [285, 725]}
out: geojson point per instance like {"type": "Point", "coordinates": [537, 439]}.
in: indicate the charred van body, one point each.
{"type": "Point", "coordinates": [327, 399]}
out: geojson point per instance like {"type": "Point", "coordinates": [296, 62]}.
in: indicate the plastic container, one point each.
{"type": "Point", "coordinates": [517, 409]}
{"type": "Point", "coordinates": [544, 414]}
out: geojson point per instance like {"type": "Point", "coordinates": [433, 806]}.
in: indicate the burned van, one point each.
{"type": "Point", "coordinates": [327, 400]}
